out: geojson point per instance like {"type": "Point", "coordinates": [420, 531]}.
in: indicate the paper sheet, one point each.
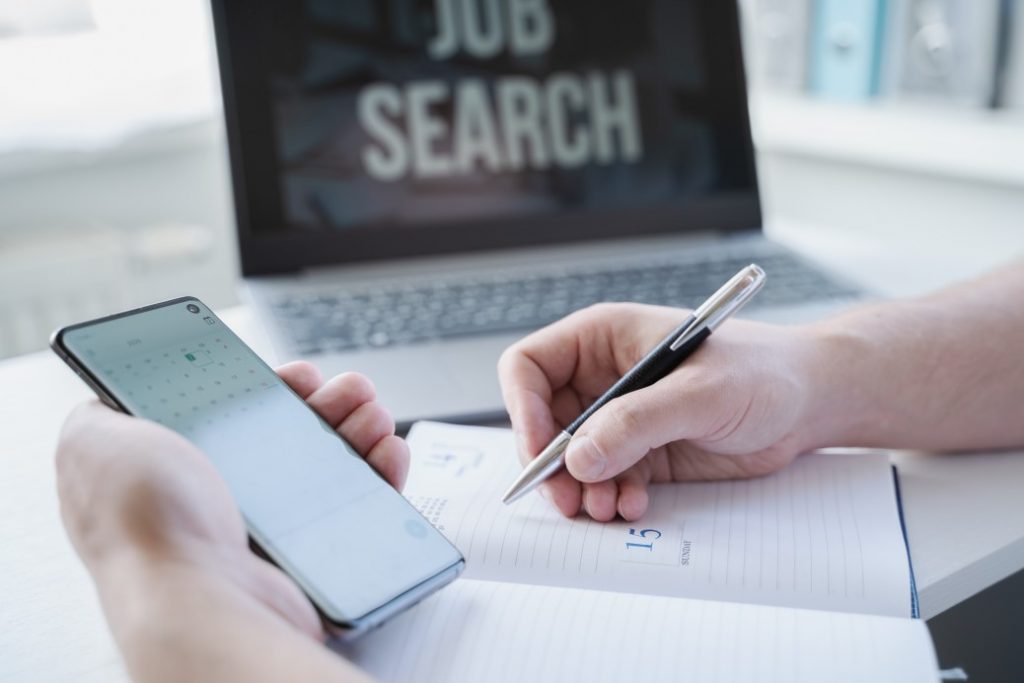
{"type": "Point", "coordinates": [490, 631]}
{"type": "Point", "coordinates": [823, 533]}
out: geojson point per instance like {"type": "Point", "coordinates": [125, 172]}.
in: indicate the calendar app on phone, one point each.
{"type": "Point", "coordinates": [313, 503]}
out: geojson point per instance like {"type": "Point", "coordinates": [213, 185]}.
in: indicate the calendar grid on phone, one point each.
{"type": "Point", "coordinates": [184, 386]}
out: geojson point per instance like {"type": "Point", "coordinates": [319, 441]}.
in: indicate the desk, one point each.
{"type": "Point", "coordinates": [963, 512]}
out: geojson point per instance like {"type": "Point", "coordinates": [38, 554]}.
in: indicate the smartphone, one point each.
{"type": "Point", "coordinates": [312, 505]}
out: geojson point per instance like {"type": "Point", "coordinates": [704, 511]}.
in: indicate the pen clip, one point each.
{"type": "Point", "coordinates": [729, 298]}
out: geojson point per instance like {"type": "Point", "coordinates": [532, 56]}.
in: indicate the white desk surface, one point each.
{"type": "Point", "coordinates": [963, 512]}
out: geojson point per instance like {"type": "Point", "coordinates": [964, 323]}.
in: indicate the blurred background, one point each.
{"type": "Point", "coordinates": [115, 189]}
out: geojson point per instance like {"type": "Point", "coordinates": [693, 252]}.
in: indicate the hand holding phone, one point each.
{"type": "Point", "coordinates": [355, 547]}
{"type": "Point", "coordinates": [133, 490]}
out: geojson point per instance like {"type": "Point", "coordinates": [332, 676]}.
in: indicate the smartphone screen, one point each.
{"type": "Point", "coordinates": [314, 506]}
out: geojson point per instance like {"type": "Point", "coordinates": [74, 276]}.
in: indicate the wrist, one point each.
{"type": "Point", "coordinates": [132, 578]}
{"type": "Point", "coordinates": [127, 583]}
{"type": "Point", "coordinates": [838, 370]}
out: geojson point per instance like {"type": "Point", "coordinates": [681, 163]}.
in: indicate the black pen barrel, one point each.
{"type": "Point", "coordinates": [654, 366]}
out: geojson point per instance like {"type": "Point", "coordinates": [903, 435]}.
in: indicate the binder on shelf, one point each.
{"type": "Point", "coordinates": [780, 41]}
{"type": "Point", "coordinates": [1013, 84]}
{"type": "Point", "coordinates": [846, 51]}
{"type": "Point", "coordinates": [943, 50]}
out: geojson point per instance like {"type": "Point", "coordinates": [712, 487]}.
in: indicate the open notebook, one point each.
{"type": "Point", "coordinates": [802, 575]}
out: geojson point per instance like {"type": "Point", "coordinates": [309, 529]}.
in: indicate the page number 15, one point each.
{"type": "Point", "coordinates": [650, 535]}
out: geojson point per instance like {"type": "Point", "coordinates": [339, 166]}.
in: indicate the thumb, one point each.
{"type": "Point", "coordinates": [622, 432]}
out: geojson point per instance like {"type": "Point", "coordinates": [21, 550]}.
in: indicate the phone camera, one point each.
{"type": "Point", "coordinates": [192, 308]}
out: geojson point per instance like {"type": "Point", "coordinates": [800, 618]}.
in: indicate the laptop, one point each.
{"type": "Point", "coordinates": [420, 183]}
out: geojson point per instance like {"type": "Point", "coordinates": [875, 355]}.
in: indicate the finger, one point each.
{"type": "Point", "coordinates": [564, 492]}
{"type": "Point", "coordinates": [279, 593]}
{"type": "Point", "coordinates": [366, 426]}
{"type": "Point", "coordinates": [633, 497]}
{"type": "Point", "coordinates": [304, 378]}
{"type": "Point", "coordinates": [340, 396]}
{"type": "Point", "coordinates": [561, 489]}
{"type": "Point", "coordinates": [74, 456]}
{"type": "Point", "coordinates": [390, 457]}
{"type": "Point", "coordinates": [92, 431]}
{"type": "Point", "coordinates": [599, 500]}
{"type": "Point", "coordinates": [566, 406]}
{"type": "Point", "coordinates": [627, 428]}
{"type": "Point", "coordinates": [533, 369]}
{"type": "Point", "coordinates": [88, 415]}
{"type": "Point", "coordinates": [527, 393]}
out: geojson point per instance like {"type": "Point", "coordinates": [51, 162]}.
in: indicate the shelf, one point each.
{"type": "Point", "coordinates": [979, 145]}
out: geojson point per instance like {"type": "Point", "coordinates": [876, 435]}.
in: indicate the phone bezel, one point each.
{"type": "Point", "coordinates": [345, 628]}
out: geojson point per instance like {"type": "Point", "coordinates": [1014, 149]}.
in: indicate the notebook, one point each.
{"type": "Point", "coordinates": [803, 575]}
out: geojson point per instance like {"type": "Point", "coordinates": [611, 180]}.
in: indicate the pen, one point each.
{"type": "Point", "coordinates": [663, 359]}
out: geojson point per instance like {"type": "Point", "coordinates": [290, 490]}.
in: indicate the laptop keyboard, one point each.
{"type": "Point", "coordinates": [326, 320]}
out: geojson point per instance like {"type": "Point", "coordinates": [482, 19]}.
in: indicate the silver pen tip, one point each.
{"type": "Point", "coordinates": [514, 493]}
{"type": "Point", "coordinates": [524, 483]}
{"type": "Point", "coordinates": [547, 462]}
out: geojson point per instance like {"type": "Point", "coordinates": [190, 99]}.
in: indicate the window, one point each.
{"type": "Point", "coordinates": [84, 74]}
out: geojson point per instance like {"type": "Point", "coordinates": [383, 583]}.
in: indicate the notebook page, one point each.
{"type": "Point", "coordinates": [491, 631]}
{"type": "Point", "coordinates": [823, 533]}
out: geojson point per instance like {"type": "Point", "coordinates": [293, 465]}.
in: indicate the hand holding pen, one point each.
{"type": "Point", "coordinates": [731, 410]}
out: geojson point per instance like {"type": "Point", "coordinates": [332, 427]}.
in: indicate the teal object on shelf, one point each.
{"type": "Point", "coordinates": [846, 53]}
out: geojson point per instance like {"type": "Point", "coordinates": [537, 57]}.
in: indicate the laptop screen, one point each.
{"type": "Point", "coordinates": [364, 129]}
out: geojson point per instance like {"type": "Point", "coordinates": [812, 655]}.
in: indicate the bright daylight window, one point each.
{"type": "Point", "coordinates": [113, 180]}
{"type": "Point", "coordinates": [85, 73]}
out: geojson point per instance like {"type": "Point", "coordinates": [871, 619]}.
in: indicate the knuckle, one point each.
{"type": "Point", "coordinates": [389, 422]}
{"type": "Point", "coordinates": [375, 420]}
{"type": "Point", "coordinates": [626, 417]}
{"type": "Point", "coordinates": [401, 448]}
{"type": "Point", "coordinates": [382, 421]}
{"type": "Point", "coordinates": [357, 384]}
{"type": "Point", "coordinates": [311, 371]}
{"type": "Point", "coordinates": [508, 357]}
{"type": "Point", "coordinates": [603, 310]}
{"type": "Point", "coordinates": [621, 425]}
{"type": "Point", "coordinates": [701, 393]}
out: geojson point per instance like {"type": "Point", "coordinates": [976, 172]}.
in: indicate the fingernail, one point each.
{"type": "Point", "coordinates": [587, 461]}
